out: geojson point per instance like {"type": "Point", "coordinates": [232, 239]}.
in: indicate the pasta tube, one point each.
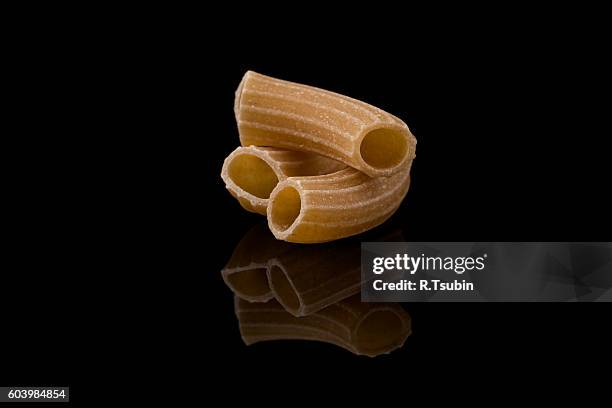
{"type": "Point", "coordinates": [368, 329]}
{"type": "Point", "coordinates": [251, 173]}
{"type": "Point", "coordinates": [334, 206]}
{"type": "Point", "coordinates": [272, 112]}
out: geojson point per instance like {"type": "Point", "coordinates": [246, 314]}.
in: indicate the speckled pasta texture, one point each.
{"type": "Point", "coordinates": [277, 113]}
{"type": "Point", "coordinates": [251, 173]}
{"type": "Point", "coordinates": [321, 166]}
{"type": "Point", "coordinates": [333, 206]}
{"type": "Point", "coordinates": [369, 329]}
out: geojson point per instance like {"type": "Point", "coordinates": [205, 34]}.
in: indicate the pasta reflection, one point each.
{"type": "Point", "coordinates": [289, 291]}
{"type": "Point", "coordinates": [368, 329]}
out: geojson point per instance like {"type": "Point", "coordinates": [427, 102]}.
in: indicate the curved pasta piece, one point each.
{"type": "Point", "coordinates": [369, 329]}
{"type": "Point", "coordinates": [334, 206]}
{"type": "Point", "coordinates": [251, 173]}
{"type": "Point", "coordinates": [273, 112]}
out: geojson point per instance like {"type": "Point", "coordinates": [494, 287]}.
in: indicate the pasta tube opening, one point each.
{"type": "Point", "coordinates": [284, 208]}
{"type": "Point", "coordinates": [310, 210]}
{"type": "Point", "coordinates": [378, 331]}
{"type": "Point", "coordinates": [253, 175]}
{"type": "Point", "coordinates": [285, 293]}
{"type": "Point", "coordinates": [383, 148]}
{"type": "Point", "coordinates": [282, 114]}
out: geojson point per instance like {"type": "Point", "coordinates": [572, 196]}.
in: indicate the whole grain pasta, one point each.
{"type": "Point", "coordinates": [333, 206]}
{"type": "Point", "coordinates": [369, 329]}
{"type": "Point", "coordinates": [251, 173]}
{"type": "Point", "coordinates": [277, 113]}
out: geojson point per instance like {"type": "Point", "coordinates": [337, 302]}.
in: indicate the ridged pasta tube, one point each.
{"type": "Point", "coordinates": [251, 173]}
{"type": "Point", "coordinates": [334, 206]}
{"type": "Point", "coordinates": [277, 113]}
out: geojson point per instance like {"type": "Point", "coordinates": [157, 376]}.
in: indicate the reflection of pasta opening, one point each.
{"type": "Point", "coordinates": [285, 208]}
{"type": "Point", "coordinates": [378, 330]}
{"type": "Point", "coordinates": [383, 148]}
{"type": "Point", "coordinates": [253, 282]}
{"type": "Point", "coordinates": [253, 175]}
{"type": "Point", "coordinates": [283, 289]}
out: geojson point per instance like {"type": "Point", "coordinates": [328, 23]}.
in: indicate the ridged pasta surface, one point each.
{"type": "Point", "coordinates": [329, 207]}
{"type": "Point", "coordinates": [277, 113]}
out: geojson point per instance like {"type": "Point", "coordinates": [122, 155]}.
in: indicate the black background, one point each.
{"type": "Point", "coordinates": [511, 147]}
